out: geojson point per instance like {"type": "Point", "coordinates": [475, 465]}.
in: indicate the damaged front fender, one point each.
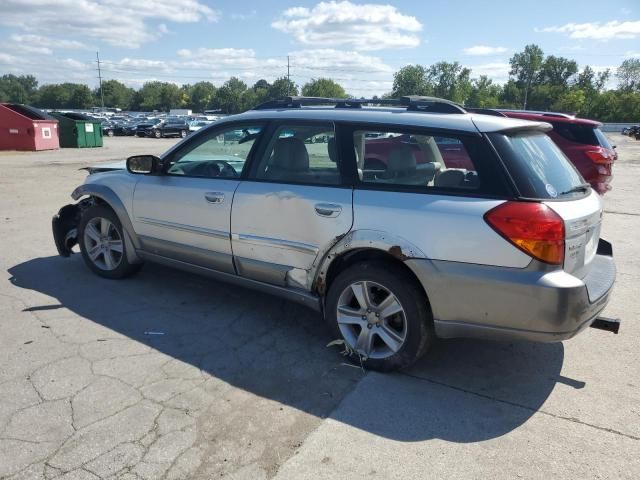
{"type": "Point", "coordinates": [65, 226]}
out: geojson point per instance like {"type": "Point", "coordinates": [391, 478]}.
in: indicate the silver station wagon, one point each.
{"type": "Point", "coordinates": [401, 221]}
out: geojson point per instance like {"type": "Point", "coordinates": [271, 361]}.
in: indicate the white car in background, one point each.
{"type": "Point", "coordinates": [196, 125]}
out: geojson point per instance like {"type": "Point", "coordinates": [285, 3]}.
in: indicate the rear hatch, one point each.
{"type": "Point", "coordinates": [542, 173]}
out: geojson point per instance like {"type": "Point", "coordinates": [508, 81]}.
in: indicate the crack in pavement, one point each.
{"type": "Point", "coordinates": [617, 212]}
{"type": "Point", "coordinates": [519, 405]}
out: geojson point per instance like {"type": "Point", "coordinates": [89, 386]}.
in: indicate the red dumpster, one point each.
{"type": "Point", "coordinates": [27, 128]}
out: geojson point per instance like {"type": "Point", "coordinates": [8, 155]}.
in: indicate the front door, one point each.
{"type": "Point", "coordinates": [185, 213]}
{"type": "Point", "coordinates": [292, 207]}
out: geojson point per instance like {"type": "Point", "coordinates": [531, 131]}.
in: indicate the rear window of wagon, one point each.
{"type": "Point", "coordinates": [538, 167]}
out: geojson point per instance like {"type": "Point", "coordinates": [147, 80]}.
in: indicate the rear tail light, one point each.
{"type": "Point", "coordinates": [532, 227]}
{"type": "Point", "coordinates": [602, 155]}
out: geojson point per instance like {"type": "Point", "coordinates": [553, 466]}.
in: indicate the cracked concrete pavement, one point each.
{"type": "Point", "coordinates": [169, 375]}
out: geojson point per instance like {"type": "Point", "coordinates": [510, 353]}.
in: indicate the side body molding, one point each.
{"type": "Point", "coordinates": [394, 245]}
{"type": "Point", "coordinates": [109, 197]}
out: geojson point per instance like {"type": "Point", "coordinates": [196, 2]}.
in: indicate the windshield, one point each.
{"type": "Point", "coordinates": [538, 166]}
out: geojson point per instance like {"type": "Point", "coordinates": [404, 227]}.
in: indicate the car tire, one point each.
{"type": "Point", "coordinates": [100, 231]}
{"type": "Point", "coordinates": [183, 133]}
{"type": "Point", "coordinates": [109, 133]}
{"type": "Point", "coordinates": [157, 134]}
{"type": "Point", "coordinates": [410, 331]}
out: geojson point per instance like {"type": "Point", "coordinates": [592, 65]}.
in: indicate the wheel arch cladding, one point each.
{"type": "Point", "coordinates": [110, 199]}
{"type": "Point", "coordinates": [365, 245]}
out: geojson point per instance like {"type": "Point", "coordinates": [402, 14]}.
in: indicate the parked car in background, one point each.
{"type": "Point", "coordinates": [633, 131]}
{"type": "Point", "coordinates": [507, 247]}
{"type": "Point", "coordinates": [171, 127]}
{"type": "Point", "coordinates": [117, 127]}
{"type": "Point", "coordinates": [582, 141]}
{"type": "Point", "coordinates": [145, 128]}
{"type": "Point", "coordinates": [196, 125]}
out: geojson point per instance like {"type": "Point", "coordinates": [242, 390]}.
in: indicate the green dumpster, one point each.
{"type": "Point", "coordinates": [77, 130]}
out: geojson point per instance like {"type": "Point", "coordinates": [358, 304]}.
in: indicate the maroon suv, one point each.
{"type": "Point", "coordinates": [582, 142]}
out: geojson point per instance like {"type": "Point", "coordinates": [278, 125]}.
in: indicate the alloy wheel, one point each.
{"type": "Point", "coordinates": [103, 243]}
{"type": "Point", "coordinates": [371, 319]}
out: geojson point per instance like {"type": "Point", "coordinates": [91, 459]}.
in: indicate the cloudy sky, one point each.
{"type": "Point", "coordinates": [358, 44]}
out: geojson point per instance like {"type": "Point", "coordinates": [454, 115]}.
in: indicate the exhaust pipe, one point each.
{"type": "Point", "coordinates": [608, 324]}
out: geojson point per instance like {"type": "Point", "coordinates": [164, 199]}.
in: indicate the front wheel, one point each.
{"type": "Point", "coordinates": [157, 134]}
{"type": "Point", "coordinates": [102, 244]}
{"type": "Point", "coordinates": [183, 133]}
{"type": "Point", "coordinates": [381, 314]}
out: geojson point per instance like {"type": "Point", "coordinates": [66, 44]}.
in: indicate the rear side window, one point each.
{"type": "Point", "coordinates": [602, 138]}
{"type": "Point", "coordinates": [585, 134]}
{"type": "Point", "coordinates": [304, 153]}
{"type": "Point", "coordinates": [413, 160]}
{"type": "Point", "coordinates": [537, 165]}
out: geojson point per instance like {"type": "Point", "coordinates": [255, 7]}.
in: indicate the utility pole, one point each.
{"type": "Point", "coordinates": [288, 78]}
{"type": "Point", "coordinates": [100, 79]}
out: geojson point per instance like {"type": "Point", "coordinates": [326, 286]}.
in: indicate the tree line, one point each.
{"type": "Point", "coordinates": [536, 82]}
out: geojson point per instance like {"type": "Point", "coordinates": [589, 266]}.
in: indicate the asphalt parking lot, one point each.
{"type": "Point", "coordinates": [169, 375]}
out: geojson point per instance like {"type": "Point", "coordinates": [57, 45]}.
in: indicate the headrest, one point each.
{"type": "Point", "coordinates": [450, 178]}
{"type": "Point", "coordinates": [401, 159]}
{"type": "Point", "coordinates": [332, 149]}
{"type": "Point", "coordinates": [290, 154]}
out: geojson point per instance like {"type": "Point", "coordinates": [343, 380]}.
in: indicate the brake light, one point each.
{"type": "Point", "coordinates": [532, 227]}
{"type": "Point", "coordinates": [601, 156]}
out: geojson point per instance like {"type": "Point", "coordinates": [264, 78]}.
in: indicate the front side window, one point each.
{"type": "Point", "coordinates": [222, 154]}
{"type": "Point", "coordinates": [414, 160]}
{"type": "Point", "coordinates": [304, 153]}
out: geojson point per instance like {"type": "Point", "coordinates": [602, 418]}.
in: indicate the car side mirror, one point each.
{"type": "Point", "coordinates": [143, 164]}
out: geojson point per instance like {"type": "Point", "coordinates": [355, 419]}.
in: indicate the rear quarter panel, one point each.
{"type": "Point", "coordinates": [443, 227]}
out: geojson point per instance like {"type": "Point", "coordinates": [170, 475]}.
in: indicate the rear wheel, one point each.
{"type": "Point", "coordinates": [382, 316]}
{"type": "Point", "coordinates": [109, 133]}
{"type": "Point", "coordinates": [183, 133]}
{"type": "Point", "coordinates": [102, 243]}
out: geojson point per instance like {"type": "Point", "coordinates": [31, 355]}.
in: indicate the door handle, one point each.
{"type": "Point", "coordinates": [214, 197]}
{"type": "Point", "coordinates": [328, 209]}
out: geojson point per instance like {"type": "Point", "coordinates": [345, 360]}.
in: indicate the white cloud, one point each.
{"type": "Point", "coordinates": [598, 30]}
{"type": "Point", "coordinates": [359, 26]}
{"type": "Point", "coordinates": [47, 43]}
{"type": "Point", "coordinates": [496, 71]}
{"type": "Point", "coordinates": [116, 22]}
{"type": "Point", "coordinates": [484, 50]}
{"type": "Point", "coordinates": [631, 54]}
{"type": "Point", "coordinates": [327, 60]}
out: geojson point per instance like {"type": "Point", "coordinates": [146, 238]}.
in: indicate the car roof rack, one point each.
{"type": "Point", "coordinates": [413, 103]}
{"type": "Point", "coordinates": [540, 112]}
{"type": "Point", "coordinates": [485, 111]}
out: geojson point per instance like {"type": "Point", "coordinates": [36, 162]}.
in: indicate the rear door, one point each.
{"type": "Point", "coordinates": [293, 205]}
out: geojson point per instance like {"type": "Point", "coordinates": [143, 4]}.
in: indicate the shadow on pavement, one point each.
{"type": "Point", "coordinates": [276, 349]}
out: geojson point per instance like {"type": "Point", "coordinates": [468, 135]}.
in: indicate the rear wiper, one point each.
{"type": "Point", "coordinates": [583, 187]}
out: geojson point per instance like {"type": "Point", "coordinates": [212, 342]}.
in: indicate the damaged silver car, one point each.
{"type": "Point", "coordinates": [401, 221]}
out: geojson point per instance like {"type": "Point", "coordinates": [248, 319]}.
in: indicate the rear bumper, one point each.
{"type": "Point", "coordinates": [506, 303]}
